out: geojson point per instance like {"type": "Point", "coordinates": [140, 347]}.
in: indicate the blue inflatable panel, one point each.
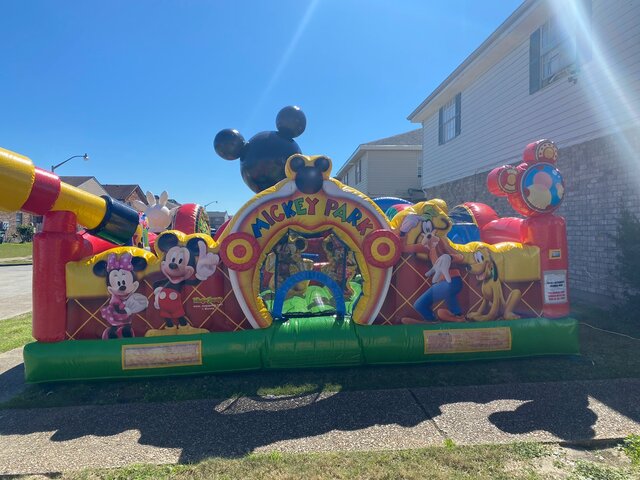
{"type": "Point", "coordinates": [386, 202]}
{"type": "Point", "coordinates": [464, 228]}
{"type": "Point", "coordinates": [463, 233]}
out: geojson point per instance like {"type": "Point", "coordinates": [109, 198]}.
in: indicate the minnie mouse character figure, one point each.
{"type": "Point", "coordinates": [122, 285]}
{"type": "Point", "coordinates": [181, 265]}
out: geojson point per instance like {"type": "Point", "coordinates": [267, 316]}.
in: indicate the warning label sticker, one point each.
{"type": "Point", "coordinates": [468, 340]}
{"type": "Point", "coordinates": [179, 354]}
{"type": "Point", "coordinates": [555, 286]}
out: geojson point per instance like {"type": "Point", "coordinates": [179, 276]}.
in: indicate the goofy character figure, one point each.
{"type": "Point", "coordinates": [446, 282]}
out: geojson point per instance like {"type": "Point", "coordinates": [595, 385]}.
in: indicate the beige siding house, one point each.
{"type": "Point", "coordinates": [386, 167]}
{"type": "Point", "coordinates": [126, 193]}
{"type": "Point", "coordinates": [88, 184]}
{"type": "Point", "coordinates": [587, 88]}
{"type": "Point", "coordinates": [567, 71]}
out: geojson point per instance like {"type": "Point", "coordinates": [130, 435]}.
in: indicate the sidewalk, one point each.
{"type": "Point", "coordinates": [69, 438]}
{"type": "Point", "coordinates": [28, 260]}
{"type": "Point", "coordinates": [11, 374]}
{"type": "Point", "coordinates": [15, 290]}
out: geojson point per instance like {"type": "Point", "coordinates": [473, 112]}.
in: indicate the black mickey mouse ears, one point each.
{"type": "Point", "coordinates": [229, 144]}
{"type": "Point", "coordinates": [290, 122]}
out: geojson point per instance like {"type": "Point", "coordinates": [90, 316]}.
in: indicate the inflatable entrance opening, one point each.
{"type": "Point", "coordinates": [310, 275]}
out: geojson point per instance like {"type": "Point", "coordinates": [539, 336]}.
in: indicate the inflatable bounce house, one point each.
{"type": "Point", "coordinates": [309, 272]}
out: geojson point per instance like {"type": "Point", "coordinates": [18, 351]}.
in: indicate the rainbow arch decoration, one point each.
{"type": "Point", "coordinates": [334, 209]}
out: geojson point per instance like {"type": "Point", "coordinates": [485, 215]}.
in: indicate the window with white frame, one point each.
{"type": "Point", "coordinates": [19, 218]}
{"type": "Point", "coordinates": [346, 178]}
{"type": "Point", "coordinates": [557, 49]}
{"type": "Point", "coordinates": [358, 171]}
{"type": "Point", "coordinates": [449, 120]}
{"type": "Point", "coordinates": [419, 166]}
{"type": "Point", "coordinates": [559, 46]}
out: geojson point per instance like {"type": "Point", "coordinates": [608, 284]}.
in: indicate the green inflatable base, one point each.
{"type": "Point", "coordinates": [298, 343]}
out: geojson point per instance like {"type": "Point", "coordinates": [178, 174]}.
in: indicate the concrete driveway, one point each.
{"type": "Point", "coordinates": [15, 290]}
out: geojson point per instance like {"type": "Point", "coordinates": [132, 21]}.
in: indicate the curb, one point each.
{"type": "Point", "coordinates": [591, 443]}
{"type": "Point", "coordinates": [15, 264]}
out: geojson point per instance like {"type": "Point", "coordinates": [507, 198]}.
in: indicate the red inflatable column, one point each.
{"type": "Point", "coordinates": [56, 245]}
{"type": "Point", "coordinates": [550, 234]}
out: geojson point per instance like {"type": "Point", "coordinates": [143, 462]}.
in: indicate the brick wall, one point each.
{"type": "Point", "coordinates": [11, 219]}
{"type": "Point", "coordinates": [602, 177]}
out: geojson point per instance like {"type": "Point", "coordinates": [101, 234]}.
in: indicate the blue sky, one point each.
{"type": "Point", "coordinates": [144, 86]}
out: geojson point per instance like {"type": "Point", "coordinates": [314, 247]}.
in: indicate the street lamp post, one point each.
{"type": "Point", "coordinates": [85, 157]}
{"type": "Point", "coordinates": [212, 201]}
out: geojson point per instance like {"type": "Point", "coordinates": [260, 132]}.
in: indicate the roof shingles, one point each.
{"type": "Point", "coordinates": [76, 181]}
{"type": "Point", "coordinates": [414, 137]}
{"type": "Point", "coordinates": [120, 192]}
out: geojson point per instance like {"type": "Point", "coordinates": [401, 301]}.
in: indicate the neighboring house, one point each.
{"type": "Point", "coordinates": [126, 193]}
{"type": "Point", "coordinates": [88, 184]}
{"type": "Point", "coordinates": [10, 221]}
{"type": "Point", "coordinates": [572, 76]}
{"type": "Point", "coordinates": [387, 167]}
{"type": "Point", "coordinates": [216, 219]}
{"type": "Point", "coordinates": [171, 203]}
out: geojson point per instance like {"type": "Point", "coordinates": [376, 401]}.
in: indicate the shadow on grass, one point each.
{"type": "Point", "coordinates": [11, 382]}
{"type": "Point", "coordinates": [239, 425]}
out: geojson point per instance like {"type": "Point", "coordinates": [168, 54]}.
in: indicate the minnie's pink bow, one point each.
{"type": "Point", "coordinates": [122, 263]}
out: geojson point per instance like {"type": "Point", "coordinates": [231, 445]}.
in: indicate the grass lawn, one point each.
{"type": "Point", "coordinates": [15, 332]}
{"type": "Point", "coordinates": [529, 461]}
{"type": "Point", "coordinates": [604, 355]}
{"type": "Point", "coordinates": [10, 250]}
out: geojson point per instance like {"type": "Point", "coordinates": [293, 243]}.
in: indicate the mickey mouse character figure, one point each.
{"type": "Point", "coordinates": [122, 285]}
{"type": "Point", "coordinates": [181, 265]}
{"type": "Point", "coordinates": [287, 259]}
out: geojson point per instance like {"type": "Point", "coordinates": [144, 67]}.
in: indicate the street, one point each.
{"type": "Point", "coordinates": [15, 290]}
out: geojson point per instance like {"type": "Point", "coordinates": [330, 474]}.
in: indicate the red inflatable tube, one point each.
{"type": "Point", "coordinates": [482, 213]}
{"type": "Point", "coordinates": [98, 245]}
{"type": "Point", "coordinates": [190, 218]}
{"type": "Point", "coordinates": [549, 232]}
{"type": "Point", "coordinates": [493, 181]}
{"type": "Point", "coordinates": [507, 229]}
{"type": "Point", "coordinates": [44, 193]}
{"type": "Point", "coordinates": [56, 245]}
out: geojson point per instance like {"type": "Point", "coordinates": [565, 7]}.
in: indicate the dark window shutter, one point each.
{"type": "Point", "coordinates": [534, 62]}
{"type": "Point", "coordinates": [583, 39]}
{"type": "Point", "coordinates": [440, 131]}
{"type": "Point", "coordinates": [458, 110]}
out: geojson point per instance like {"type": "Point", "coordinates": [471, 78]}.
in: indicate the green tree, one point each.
{"type": "Point", "coordinates": [25, 232]}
